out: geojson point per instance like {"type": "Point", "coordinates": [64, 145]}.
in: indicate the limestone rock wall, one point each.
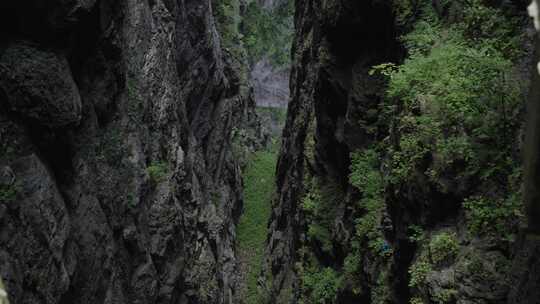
{"type": "Point", "coordinates": [118, 182]}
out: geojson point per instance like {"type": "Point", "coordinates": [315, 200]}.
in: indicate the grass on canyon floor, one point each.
{"type": "Point", "coordinates": [252, 229]}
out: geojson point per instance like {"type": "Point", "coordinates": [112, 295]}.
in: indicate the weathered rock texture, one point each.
{"type": "Point", "coordinates": [270, 84]}
{"type": "Point", "coordinates": [526, 265]}
{"type": "Point", "coordinates": [270, 79]}
{"type": "Point", "coordinates": [118, 182]}
{"type": "Point", "coordinates": [336, 43]}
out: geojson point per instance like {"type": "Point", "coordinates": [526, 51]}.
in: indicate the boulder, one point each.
{"type": "Point", "coordinates": [39, 85]}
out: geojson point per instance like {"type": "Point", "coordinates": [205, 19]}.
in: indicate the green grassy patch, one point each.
{"type": "Point", "coordinates": [252, 231]}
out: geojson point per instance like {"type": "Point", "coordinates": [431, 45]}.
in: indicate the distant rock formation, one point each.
{"type": "Point", "coordinates": [270, 84]}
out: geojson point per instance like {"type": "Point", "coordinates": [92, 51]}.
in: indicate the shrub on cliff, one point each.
{"type": "Point", "coordinates": [443, 247]}
{"type": "Point", "coordinates": [322, 286]}
{"type": "Point", "coordinates": [8, 193]}
{"type": "Point", "coordinates": [458, 104]}
{"type": "Point", "coordinates": [157, 171]}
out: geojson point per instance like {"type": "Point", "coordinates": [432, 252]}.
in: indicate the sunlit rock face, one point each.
{"type": "Point", "coordinates": [118, 182]}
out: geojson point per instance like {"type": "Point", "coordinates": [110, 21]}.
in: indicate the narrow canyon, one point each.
{"type": "Point", "coordinates": [269, 152]}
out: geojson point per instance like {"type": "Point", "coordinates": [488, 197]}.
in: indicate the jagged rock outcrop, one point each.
{"type": "Point", "coordinates": [39, 85]}
{"type": "Point", "coordinates": [118, 182]}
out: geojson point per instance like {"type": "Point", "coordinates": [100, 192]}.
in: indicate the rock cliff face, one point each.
{"type": "Point", "coordinates": [118, 182]}
{"type": "Point", "coordinates": [526, 265]}
{"type": "Point", "coordinates": [329, 94]}
{"type": "Point", "coordinates": [269, 32]}
{"type": "Point", "coordinates": [335, 110]}
{"type": "Point", "coordinates": [270, 84]}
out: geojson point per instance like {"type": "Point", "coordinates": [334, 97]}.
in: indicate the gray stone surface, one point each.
{"type": "Point", "coordinates": [116, 133]}
{"type": "Point", "coordinates": [39, 85]}
{"type": "Point", "coordinates": [270, 84]}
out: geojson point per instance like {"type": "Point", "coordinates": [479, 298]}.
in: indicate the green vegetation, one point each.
{"type": "Point", "coordinates": [445, 296]}
{"type": "Point", "coordinates": [380, 294]}
{"type": "Point", "coordinates": [497, 215]}
{"type": "Point", "coordinates": [135, 103]}
{"type": "Point", "coordinates": [277, 114]}
{"type": "Point", "coordinates": [368, 239]}
{"type": "Point", "coordinates": [318, 205]}
{"type": "Point", "coordinates": [418, 272]}
{"type": "Point", "coordinates": [454, 98]}
{"type": "Point", "coordinates": [447, 125]}
{"type": "Point", "coordinates": [475, 266]}
{"type": "Point", "coordinates": [491, 27]}
{"type": "Point", "coordinates": [157, 171]}
{"type": "Point", "coordinates": [352, 268]}
{"type": "Point", "coordinates": [8, 193]}
{"type": "Point", "coordinates": [257, 31]}
{"type": "Point", "coordinates": [416, 300]}
{"type": "Point", "coordinates": [131, 200]}
{"type": "Point", "coordinates": [269, 32]}
{"type": "Point", "coordinates": [443, 247]}
{"type": "Point", "coordinates": [456, 107]}
{"type": "Point", "coordinates": [366, 177]}
{"type": "Point", "coordinates": [321, 286]}
{"type": "Point", "coordinates": [416, 234]}
{"type": "Point", "coordinates": [493, 216]}
{"type": "Point", "coordinates": [457, 96]}
{"type": "Point", "coordinates": [228, 16]}
{"type": "Point", "coordinates": [252, 230]}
